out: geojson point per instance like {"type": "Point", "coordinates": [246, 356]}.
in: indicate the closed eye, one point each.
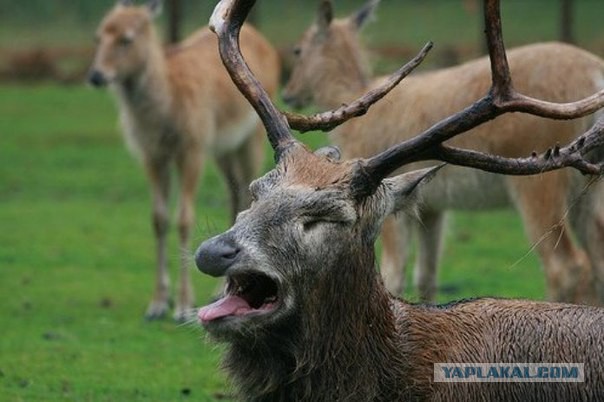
{"type": "Point", "coordinates": [312, 222]}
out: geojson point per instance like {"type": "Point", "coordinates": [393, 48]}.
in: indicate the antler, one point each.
{"type": "Point", "coordinates": [226, 22]}
{"type": "Point", "coordinates": [502, 98]}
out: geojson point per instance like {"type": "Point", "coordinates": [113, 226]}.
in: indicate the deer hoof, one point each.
{"type": "Point", "coordinates": [183, 314]}
{"type": "Point", "coordinates": [157, 310]}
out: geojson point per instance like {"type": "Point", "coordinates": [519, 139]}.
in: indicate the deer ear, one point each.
{"type": "Point", "coordinates": [403, 189]}
{"type": "Point", "coordinates": [125, 3]}
{"type": "Point", "coordinates": [324, 15]}
{"type": "Point", "coordinates": [362, 16]}
{"type": "Point", "coordinates": [155, 6]}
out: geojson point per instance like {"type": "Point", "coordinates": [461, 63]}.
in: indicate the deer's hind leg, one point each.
{"type": "Point", "coordinates": [189, 165]}
{"type": "Point", "coordinates": [158, 172]}
{"type": "Point", "coordinates": [543, 204]}
{"type": "Point", "coordinates": [588, 221]}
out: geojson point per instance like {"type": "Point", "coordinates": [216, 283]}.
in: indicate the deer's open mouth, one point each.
{"type": "Point", "coordinates": [247, 294]}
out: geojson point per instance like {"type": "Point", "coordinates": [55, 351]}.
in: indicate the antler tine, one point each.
{"type": "Point", "coordinates": [226, 22]}
{"type": "Point", "coordinates": [552, 159]}
{"type": "Point", "coordinates": [327, 121]}
{"type": "Point", "coordinates": [502, 98]}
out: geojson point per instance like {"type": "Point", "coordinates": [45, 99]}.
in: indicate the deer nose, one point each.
{"type": "Point", "coordinates": [289, 98]}
{"type": "Point", "coordinates": [216, 255]}
{"type": "Point", "coordinates": [96, 78]}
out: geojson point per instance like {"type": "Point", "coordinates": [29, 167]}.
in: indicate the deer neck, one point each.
{"type": "Point", "coordinates": [147, 92]}
{"type": "Point", "coordinates": [331, 340]}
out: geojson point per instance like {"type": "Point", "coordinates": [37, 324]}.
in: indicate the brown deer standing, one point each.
{"type": "Point", "coordinates": [175, 107]}
{"type": "Point", "coordinates": [330, 70]}
{"type": "Point", "coordinates": [305, 315]}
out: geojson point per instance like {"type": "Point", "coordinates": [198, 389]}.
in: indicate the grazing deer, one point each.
{"type": "Point", "coordinates": [177, 106]}
{"type": "Point", "coordinates": [305, 314]}
{"type": "Point", "coordinates": [330, 70]}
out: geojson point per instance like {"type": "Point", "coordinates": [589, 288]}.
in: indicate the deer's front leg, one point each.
{"type": "Point", "coordinates": [159, 176]}
{"type": "Point", "coordinates": [430, 233]}
{"type": "Point", "coordinates": [396, 243]}
{"type": "Point", "coordinates": [226, 164]}
{"type": "Point", "coordinates": [189, 166]}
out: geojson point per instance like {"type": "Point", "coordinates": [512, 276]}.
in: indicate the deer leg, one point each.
{"type": "Point", "coordinates": [595, 249]}
{"type": "Point", "coordinates": [542, 202]}
{"type": "Point", "coordinates": [189, 167]}
{"type": "Point", "coordinates": [159, 176]}
{"type": "Point", "coordinates": [567, 268]}
{"type": "Point", "coordinates": [249, 162]}
{"type": "Point", "coordinates": [241, 167]}
{"type": "Point", "coordinates": [226, 164]}
{"type": "Point", "coordinates": [429, 232]}
{"type": "Point", "coordinates": [588, 221]}
{"type": "Point", "coordinates": [396, 234]}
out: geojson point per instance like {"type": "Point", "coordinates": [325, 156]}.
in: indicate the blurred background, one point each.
{"type": "Point", "coordinates": [77, 252]}
{"type": "Point", "coordinates": [53, 40]}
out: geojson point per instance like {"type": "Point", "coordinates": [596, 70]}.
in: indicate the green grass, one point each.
{"type": "Point", "coordinates": [77, 257]}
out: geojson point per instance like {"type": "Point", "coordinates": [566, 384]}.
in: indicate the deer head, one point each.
{"type": "Point", "coordinates": [329, 48]}
{"type": "Point", "coordinates": [299, 263]}
{"type": "Point", "coordinates": [295, 241]}
{"type": "Point", "coordinates": [125, 39]}
{"type": "Point", "coordinates": [310, 201]}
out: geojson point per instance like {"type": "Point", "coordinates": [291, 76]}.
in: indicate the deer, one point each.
{"type": "Point", "coordinates": [305, 315]}
{"type": "Point", "coordinates": [331, 69]}
{"type": "Point", "coordinates": [176, 107]}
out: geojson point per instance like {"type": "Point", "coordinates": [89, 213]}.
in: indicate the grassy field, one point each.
{"type": "Point", "coordinates": [77, 252]}
{"type": "Point", "coordinates": [77, 257]}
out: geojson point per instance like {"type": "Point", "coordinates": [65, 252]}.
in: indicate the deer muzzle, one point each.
{"type": "Point", "coordinates": [216, 255]}
{"type": "Point", "coordinates": [97, 79]}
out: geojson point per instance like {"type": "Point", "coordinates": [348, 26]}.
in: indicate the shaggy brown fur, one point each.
{"type": "Point", "coordinates": [336, 334]}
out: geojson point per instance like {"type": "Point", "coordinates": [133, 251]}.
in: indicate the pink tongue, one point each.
{"type": "Point", "coordinates": [229, 305]}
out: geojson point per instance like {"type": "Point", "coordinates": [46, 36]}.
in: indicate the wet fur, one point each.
{"type": "Point", "coordinates": [346, 339]}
